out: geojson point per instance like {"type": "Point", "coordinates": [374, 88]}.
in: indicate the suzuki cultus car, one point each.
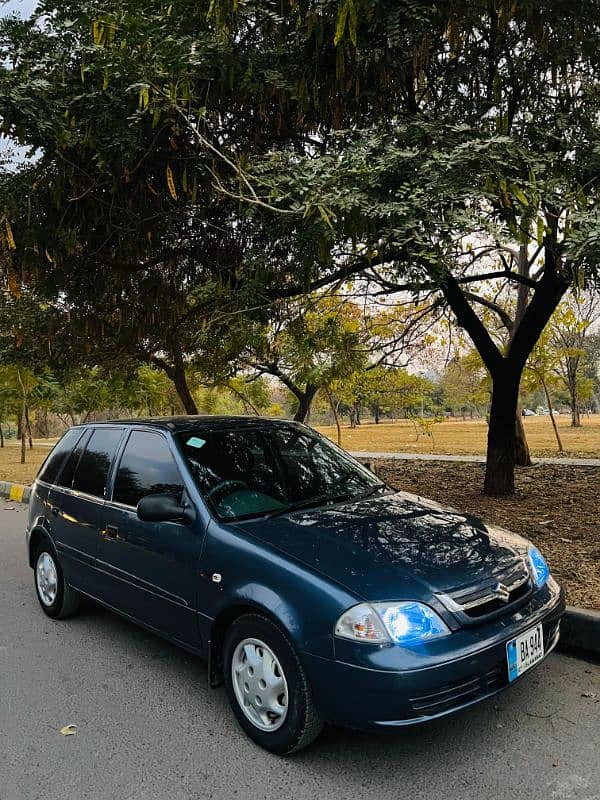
{"type": "Point", "coordinates": [316, 592]}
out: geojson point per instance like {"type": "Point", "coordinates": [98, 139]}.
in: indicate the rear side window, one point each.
{"type": "Point", "coordinates": [147, 467]}
{"type": "Point", "coordinates": [54, 462]}
{"type": "Point", "coordinates": [92, 470]}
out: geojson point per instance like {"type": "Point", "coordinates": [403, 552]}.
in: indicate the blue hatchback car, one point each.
{"type": "Point", "coordinates": [316, 592]}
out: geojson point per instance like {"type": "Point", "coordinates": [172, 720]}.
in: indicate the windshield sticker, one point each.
{"type": "Point", "coordinates": [195, 441]}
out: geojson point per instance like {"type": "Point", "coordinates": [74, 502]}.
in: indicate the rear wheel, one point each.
{"type": "Point", "coordinates": [56, 597]}
{"type": "Point", "coordinates": [267, 687]}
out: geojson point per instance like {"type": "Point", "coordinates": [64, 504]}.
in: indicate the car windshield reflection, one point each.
{"type": "Point", "coordinates": [271, 470]}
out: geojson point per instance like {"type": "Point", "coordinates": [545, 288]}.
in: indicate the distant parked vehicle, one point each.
{"type": "Point", "coordinates": [316, 592]}
{"type": "Point", "coordinates": [529, 412]}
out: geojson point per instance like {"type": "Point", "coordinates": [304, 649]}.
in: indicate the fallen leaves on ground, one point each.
{"type": "Point", "coordinates": [556, 506]}
{"type": "Point", "coordinates": [69, 730]}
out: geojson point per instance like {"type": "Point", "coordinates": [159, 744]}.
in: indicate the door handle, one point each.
{"type": "Point", "coordinates": [111, 532]}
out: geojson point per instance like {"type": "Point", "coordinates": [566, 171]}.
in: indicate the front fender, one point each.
{"type": "Point", "coordinates": [239, 571]}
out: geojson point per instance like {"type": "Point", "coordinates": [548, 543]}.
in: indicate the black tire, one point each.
{"type": "Point", "coordinates": [67, 600]}
{"type": "Point", "coordinates": [302, 723]}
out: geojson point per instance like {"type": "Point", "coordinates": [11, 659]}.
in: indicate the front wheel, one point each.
{"type": "Point", "coordinates": [267, 687]}
{"type": "Point", "coordinates": [57, 598]}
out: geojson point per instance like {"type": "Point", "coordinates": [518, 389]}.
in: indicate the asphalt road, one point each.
{"type": "Point", "coordinates": [149, 727]}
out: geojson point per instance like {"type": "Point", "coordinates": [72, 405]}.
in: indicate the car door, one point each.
{"type": "Point", "coordinates": [77, 500]}
{"type": "Point", "coordinates": [149, 568]}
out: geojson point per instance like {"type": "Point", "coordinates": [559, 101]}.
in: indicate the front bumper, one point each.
{"type": "Point", "coordinates": [385, 693]}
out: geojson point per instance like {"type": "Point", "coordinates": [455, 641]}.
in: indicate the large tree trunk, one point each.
{"type": "Point", "coordinates": [305, 399]}
{"type": "Point", "coordinates": [502, 432]}
{"type": "Point", "coordinates": [522, 454]}
{"type": "Point", "coordinates": [176, 372]}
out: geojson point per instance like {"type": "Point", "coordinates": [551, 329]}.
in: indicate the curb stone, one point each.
{"type": "Point", "coordinates": [371, 456]}
{"type": "Point", "coordinates": [580, 632]}
{"type": "Point", "coordinates": [580, 628]}
{"type": "Point", "coordinates": [17, 492]}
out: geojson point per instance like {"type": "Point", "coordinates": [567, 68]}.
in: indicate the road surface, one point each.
{"type": "Point", "coordinates": [149, 728]}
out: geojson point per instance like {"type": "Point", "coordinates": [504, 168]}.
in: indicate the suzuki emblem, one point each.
{"type": "Point", "coordinates": [501, 592]}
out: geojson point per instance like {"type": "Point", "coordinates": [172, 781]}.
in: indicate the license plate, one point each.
{"type": "Point", "coordinates": [524, 651]}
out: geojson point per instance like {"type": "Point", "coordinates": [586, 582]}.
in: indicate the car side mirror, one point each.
{"type": "Point", "coordinates": [161, 508]}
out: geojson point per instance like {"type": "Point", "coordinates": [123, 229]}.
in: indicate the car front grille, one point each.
{"type": "Point", "coordinates": [458, 693]}
{"type": "Point", "coordinates": [504, 588]}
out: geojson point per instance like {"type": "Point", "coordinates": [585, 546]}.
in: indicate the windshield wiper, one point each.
{"type": "Point", "coordinates": [310, 502]}
{"type": "Point", "coordinates": [373, 490]}
{"type": "Point", "coordinates": [324, 499]}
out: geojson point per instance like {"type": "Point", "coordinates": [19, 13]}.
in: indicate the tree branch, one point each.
{"type": "Point", "coordinates": [505, 317]}
{"type": "Point", "coordinates": [468, 319]}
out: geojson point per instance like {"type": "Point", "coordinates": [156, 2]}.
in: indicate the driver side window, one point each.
{"type": "Point", "coordinates": [227, 456]}
{"type": "Point", "coordinates": [146, 467]}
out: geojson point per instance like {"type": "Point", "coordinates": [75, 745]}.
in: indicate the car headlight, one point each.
{"type": "Point", "coordinates": [541, 570]}
{"type": "Point", "coordinates": [402, 623]}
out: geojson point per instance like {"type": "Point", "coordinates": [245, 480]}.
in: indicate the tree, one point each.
{"type": "Point", "coordinates": [9, 399]}
{"type": "Point", "coordinates": [569, 328]}
{"type": "Point", "coordinates": [478, 170]}
{"type": "Point", "coordinates": [18, 384]}
{"type": "Point", "coordinates": [592, 367]}
{"type": "Point", "coordinates": [423, 146]}
{"type": "Point", "coordinates": [540, 370]}
{"type": "Point", "coordinates": [385, 389]}
{"type": "Point", "coordinates": [307, 345]}
{"type": "Point", "coordinates": [83, 392]}
{"type": "Point", "coordinates": [465, 384]}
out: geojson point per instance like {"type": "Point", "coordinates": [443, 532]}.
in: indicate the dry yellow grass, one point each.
{"type": "Point", "coordinates": [11, 468]}
{"type": "Point", "coordinates": [469, 437]}
{"type": "Point", "coordinates": [449, 437]}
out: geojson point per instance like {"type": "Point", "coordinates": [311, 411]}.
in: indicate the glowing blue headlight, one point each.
{"type": "Point", "coordinates": [411, 622]}
{"type": "Point", "coordinates": [541, 571]}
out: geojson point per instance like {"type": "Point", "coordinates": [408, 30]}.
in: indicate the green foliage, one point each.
{"type": "Point", "coordinates": [202, 159]}
{"type": "Point", "coordinates": [466, 384]}
{"type": "Point", "coordinates": [391, 390]}
{"type": "Point", "coordinates": [308, 345]}
{"type": "Point", "coordinates": [424, 427]}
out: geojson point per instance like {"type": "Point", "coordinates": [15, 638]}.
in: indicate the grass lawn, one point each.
{"type": "Point", "coordinates": [468, 437]}
{"type": "Point", "coordinates": [449, 437]}
{"type": "Point", "coordinates": [11, 468]}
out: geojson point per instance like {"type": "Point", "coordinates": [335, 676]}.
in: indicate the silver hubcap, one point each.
{"type": "Point", "coordinates": [46, 578]}
{"type": "Point", "coordinates": [259, 684]}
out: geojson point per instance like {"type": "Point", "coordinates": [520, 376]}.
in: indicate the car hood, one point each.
{"type": "Point", "coordinates": [392, 547]}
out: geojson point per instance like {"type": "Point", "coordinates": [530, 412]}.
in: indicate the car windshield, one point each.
{"type": "Point", "coordinates": [268, 470]}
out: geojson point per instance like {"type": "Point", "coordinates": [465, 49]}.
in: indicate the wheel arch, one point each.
{"type": "Point", "coordinates": [220, 625]}
{"type": "Point", "coordinates": [38, 535]}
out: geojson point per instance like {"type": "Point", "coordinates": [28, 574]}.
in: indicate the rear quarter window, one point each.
{"type": "Point", "coordinates": [94, 465]}
{"type": "Point", "coordinates": [54, 461]}
{"type": "Point", "coordinates": [65, 476]}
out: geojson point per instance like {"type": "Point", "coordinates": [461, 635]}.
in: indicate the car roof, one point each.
{"type": "Point", "coordinates": [178, 424]}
